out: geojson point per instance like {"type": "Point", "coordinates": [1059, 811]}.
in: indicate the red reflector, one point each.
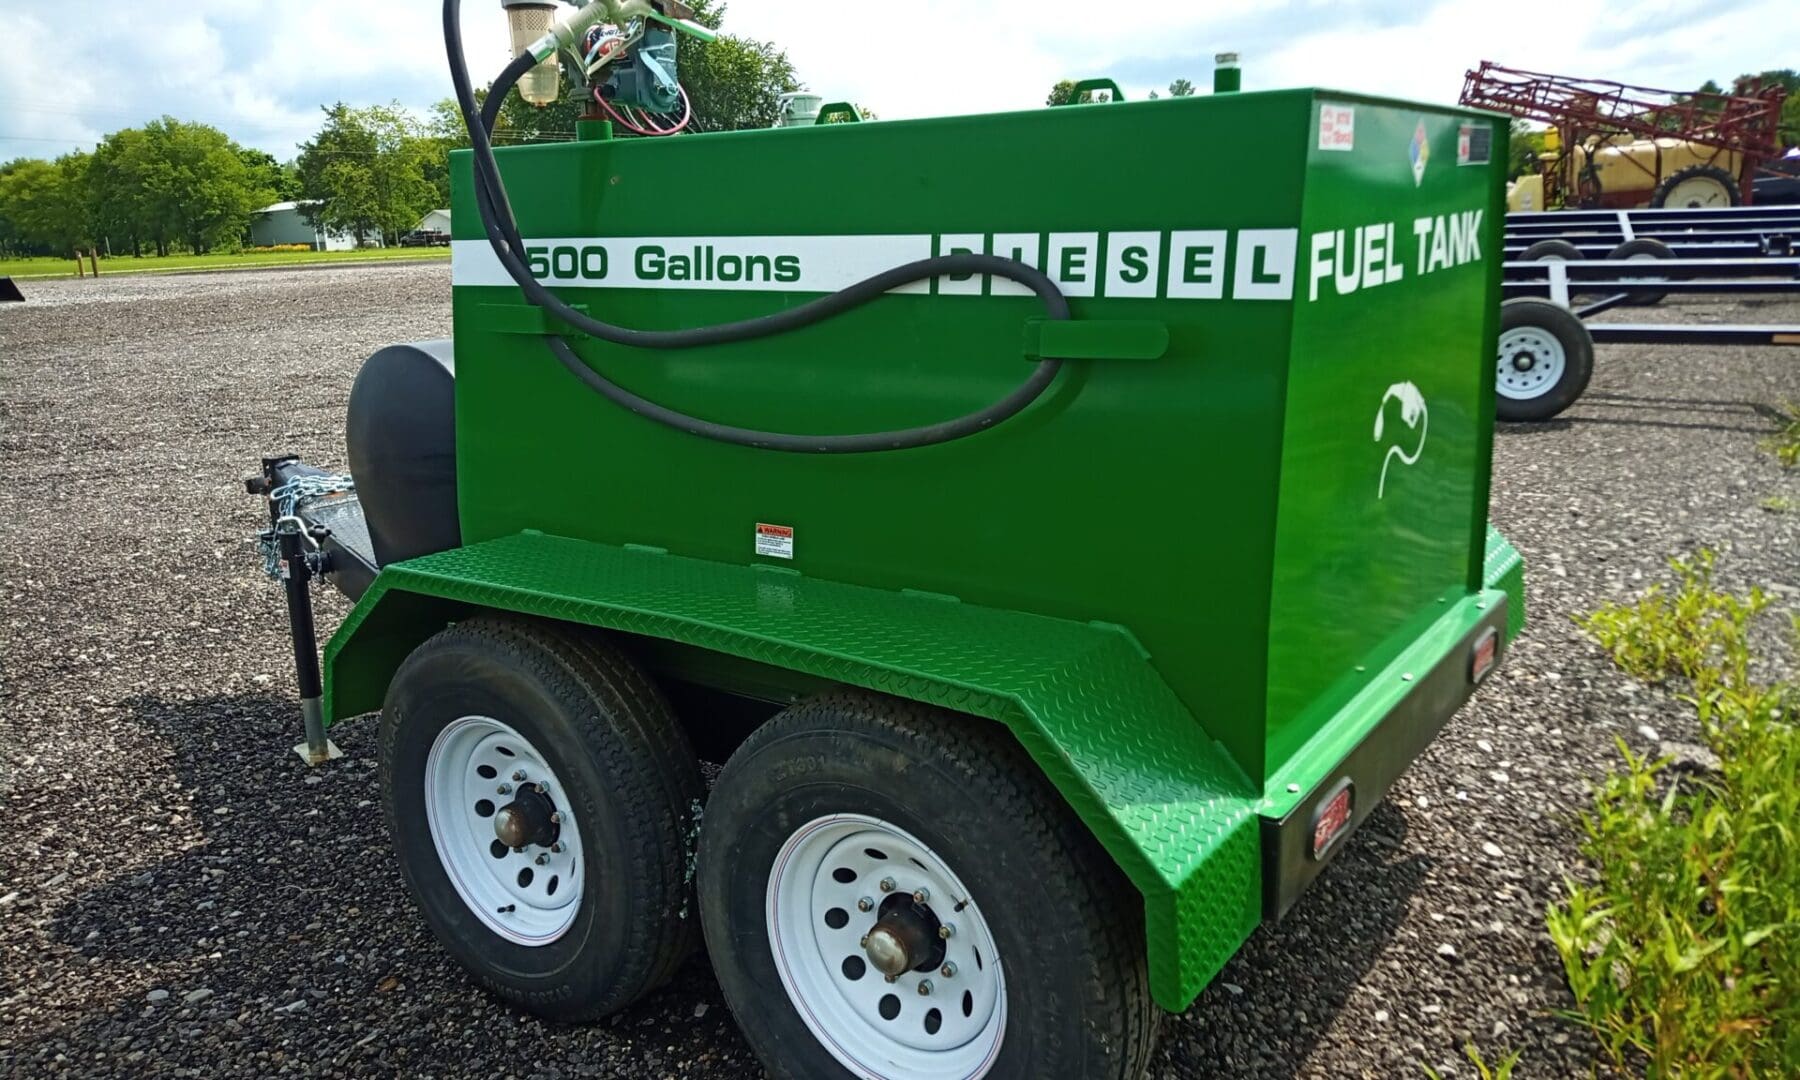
{"type": "Point", "coordinates": [1487, 650]}
{"type": "Point", "coordinates": [1331, 820]}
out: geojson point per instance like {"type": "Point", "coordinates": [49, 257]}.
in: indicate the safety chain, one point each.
{"type": "Point", "coordinates": [289, 499]}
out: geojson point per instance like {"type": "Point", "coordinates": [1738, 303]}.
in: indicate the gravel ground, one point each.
{"type": "Point", "coordinates": [181, 898]}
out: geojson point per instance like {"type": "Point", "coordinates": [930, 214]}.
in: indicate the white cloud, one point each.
{"type": "Point", "coordinates": [935, 57]}
{"type": "Point", "coordinates": [260, 69]}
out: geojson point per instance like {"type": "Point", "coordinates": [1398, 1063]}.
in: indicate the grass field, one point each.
{"type": "Point", "coordinates": [250, 260]}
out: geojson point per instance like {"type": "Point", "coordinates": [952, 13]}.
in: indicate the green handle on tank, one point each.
{"type": "Point", "coordinates": [1087, 86]}
{"type": "Point", "coordinates": [839, 112]}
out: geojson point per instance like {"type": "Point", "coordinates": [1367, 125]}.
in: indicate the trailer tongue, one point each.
{"type": "Point", "coordinates": [1062, 559]}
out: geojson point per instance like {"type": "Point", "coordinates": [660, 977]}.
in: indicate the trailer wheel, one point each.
{"type": "Point", "coordinates": [1642, 249]}
{"type": "Point", "coordinates": [1698, 187]}
{"type": "Point", "coordinates": [891, 891]}
{"type": "Point", "coordinates": [1552, 251]}
{"type": "Point", "coordinates": [539, 794]}
{"type": "Point", "coordinates": [1546, 358]}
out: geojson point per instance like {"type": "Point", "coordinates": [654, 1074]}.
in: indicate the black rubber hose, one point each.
{"type": "Point", "coordinates": [502, 230]}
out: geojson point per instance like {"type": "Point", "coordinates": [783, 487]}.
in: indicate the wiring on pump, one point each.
{"type": "Point", "coordinates": [501, 226]}
{"type": "Point", "coordinates": [642, 123]}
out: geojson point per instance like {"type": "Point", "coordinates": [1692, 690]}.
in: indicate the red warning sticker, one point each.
{"type": "Point", "coordinates": [1337, 127]}
{"type": "Point", "coordinates": [774, 541]}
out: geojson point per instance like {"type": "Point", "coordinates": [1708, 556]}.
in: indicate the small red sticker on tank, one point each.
{"type": "Point", "coordinates": [1337, 127]}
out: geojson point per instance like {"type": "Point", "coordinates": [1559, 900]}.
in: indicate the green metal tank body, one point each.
{"type": "Point", "coordinates": [1235, 564]}
{"type": "Point", "coordinates": [1221, 501]}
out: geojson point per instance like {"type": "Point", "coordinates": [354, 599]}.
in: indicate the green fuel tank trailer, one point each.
{"type": "Point", "coordinates": [1195, 608]}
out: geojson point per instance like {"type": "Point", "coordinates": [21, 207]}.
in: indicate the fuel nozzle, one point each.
{"type": "Point", "coordinates": [530, 22]}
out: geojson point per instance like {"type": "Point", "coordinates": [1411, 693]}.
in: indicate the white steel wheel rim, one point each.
{"type": "Point", "coordinates": [1532, 362]}
{"type": "Point", "coordinates": [475, 767]}
{"type": "Point", "coordinates": [1698, 193]}
{"type": "Point", "coordinates": [877, 1029]}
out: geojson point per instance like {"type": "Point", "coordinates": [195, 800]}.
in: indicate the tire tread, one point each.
{"type": "Point", "coordinates": [991, 761]}
{"type": "Point", "coordinates": [628, 727]}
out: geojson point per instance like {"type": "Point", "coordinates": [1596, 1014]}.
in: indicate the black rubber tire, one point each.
{"type": "Point", "coordinates": [1734, 195]}
{"type": "Point", "coordinates": [635, 789]}
{"type": "Point", "coordinates": [1637, 249]}
{"type": "Point", "coordinates": [1552, 250]}
{"type": "Point", "coordinates": [1082, 1009]}
{"type": "Point", "coordinates": [1578, 358]}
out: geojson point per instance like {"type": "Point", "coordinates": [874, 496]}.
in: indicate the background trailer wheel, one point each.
{"type": "Point", "coordinates": [540, 794]}
{"type": "Point", "coordinates": [1552, 251]}
{"type": "Point", "coordinates": [1642, 249]}
{"type": "Point", "coordinates": [893, 891]}
{"type": "Point", "coordinates": [1546, 358]}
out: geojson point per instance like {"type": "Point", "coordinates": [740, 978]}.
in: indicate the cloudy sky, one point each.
{"type": "Point", "coordinates": [72, 71]}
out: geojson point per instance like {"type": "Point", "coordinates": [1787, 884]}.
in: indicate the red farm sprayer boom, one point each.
{"type": "Point", "coordinates": [1620, 146]}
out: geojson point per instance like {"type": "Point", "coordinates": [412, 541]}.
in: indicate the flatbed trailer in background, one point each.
{"type": "Point", "coordinates": [1738, 231]}
{"type": "Point", "coordinates": [1549, 328]}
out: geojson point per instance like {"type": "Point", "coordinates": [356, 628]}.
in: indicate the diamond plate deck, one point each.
{"type": "Point", "coordinates": [1169, 805]}
{"type": "Point", "coordinates": [1504, 569]}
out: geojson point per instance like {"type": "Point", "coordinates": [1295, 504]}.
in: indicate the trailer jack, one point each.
{"type": "Point", "coordinates": [296, 565]}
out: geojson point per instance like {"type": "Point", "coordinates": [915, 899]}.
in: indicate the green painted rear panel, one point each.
{"type": "Point", "coordinates": [1169, 805]}
{"type": "Point", "coordinates": [1382, 521]}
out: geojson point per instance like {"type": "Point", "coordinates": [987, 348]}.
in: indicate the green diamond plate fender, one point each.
{"type": "Point", "coordinates": [1504, 569]}
{"type": "Point", "coordinates": [1170, 806]}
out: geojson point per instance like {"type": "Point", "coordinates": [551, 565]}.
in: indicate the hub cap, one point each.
{"type": "Point", "coordinates": [499, 820]}
{"type": "Point", "coordinates": [1532, 362]}
{"type": "Point", "coordinates": [885, 955]}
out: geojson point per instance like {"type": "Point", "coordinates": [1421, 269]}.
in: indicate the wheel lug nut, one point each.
{"type": "Point", "coordinates": [864, 943]}
{"type": "Point", "coordinates": [556, 817]}
{"type": "Point", "coordinates": [924, 987]}
{"type": "Point", "coordinates": [947, 931]}
{"type": "Point", "coordinates": [891, 978]}
{"type": "Point", "coordinates": [887, 884]}
{"type": "Point", "coordinates": [504, 789]}
{"type": "Point", "coordinates": [865, 904]}
{"type": "Point", "coordinates": [556, 849]}
{"type": "Point", "coordinates": [922, 896]}
{"type": "Point", "coordinates": [948, 971]}
{"type": "Point", "coordinates": [518, 775]}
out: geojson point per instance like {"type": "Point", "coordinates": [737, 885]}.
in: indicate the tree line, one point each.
{"type": "Point", "coordinates": [167, 186]}
{"type": "Point", "coordinates": [371, 172]}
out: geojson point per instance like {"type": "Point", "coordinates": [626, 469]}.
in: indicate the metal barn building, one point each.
{"type": "Point", "coordinates": [283, 223]}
